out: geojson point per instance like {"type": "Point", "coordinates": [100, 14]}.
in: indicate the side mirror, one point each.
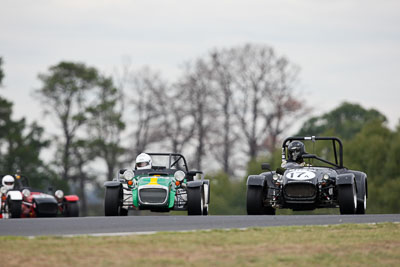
{"type": "Point", "coordinates": [265, 166]}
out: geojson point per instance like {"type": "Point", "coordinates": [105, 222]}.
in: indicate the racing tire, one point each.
{"type": "Point", "coordinates": [362, 204]}
{"type": "Point", "coordinates": [15, 208]}
{"type": "Point", "coordinates": [195, 201]}
{"type": "Point", "coordinates": [254, 203]}
{"type": "Point", "coordinates": [112, 201]}
{"type": "Point", "coordinates": [71, 209]}
{"type": "Point", "coordinates": [347, 197]}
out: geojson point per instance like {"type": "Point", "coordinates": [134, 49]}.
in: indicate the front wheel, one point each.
{"type": "Point", "coordinates": [15, 208]}
{"type": "Point", "coordinates": [254, 203]}
{"type": "Point", "coordinates": [347, 198]}
{"type": "Point", "coordinates": [195, 201]}
{"type": "Point", "coordinates": [112, 201]}
{"type": "Point", "coordinates": [362, 202]}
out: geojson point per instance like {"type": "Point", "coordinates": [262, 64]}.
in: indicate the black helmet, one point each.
{"type": "Point", "coordinates": [296, 151]}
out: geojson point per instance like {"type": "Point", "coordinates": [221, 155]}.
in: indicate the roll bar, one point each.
{"type": "Point", "coordinates": [313, 139]}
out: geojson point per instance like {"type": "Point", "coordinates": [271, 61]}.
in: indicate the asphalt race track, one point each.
{"type": "Point", "coordinates": [143, 224]}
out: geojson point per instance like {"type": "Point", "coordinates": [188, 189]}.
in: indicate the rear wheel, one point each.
{"type": "Point", "coordinates": [112, 201]}
{"type": "Point", "coordinates": [195, 201]}
{"type": "Point", "coordinates": [254, 203]}
{"type": "Point", "coordinates": [14, 208]}
{"type": "Point", "coordinates": [71, 209]}
{"type": "Point", "coordinates": [347, 198]}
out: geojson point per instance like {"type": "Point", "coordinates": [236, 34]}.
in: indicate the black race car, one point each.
{"type": "Point", "coordinates": [314, 183]}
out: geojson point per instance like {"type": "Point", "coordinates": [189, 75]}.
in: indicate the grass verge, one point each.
{"type": "Point", "coordinates": [345, 245]}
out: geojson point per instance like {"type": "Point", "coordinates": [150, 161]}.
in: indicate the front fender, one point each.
{"type": "Point", "coordinates": [112, 184]}
{"type": "Point", "coordinates": [196, 183]}
{"type": "Point", "coordinates": [14, 195]}
{"type": "Point", "coordinates": [71, 198]}
{"type": "Point", "coordinates": [361, 181]}
{"type": "Point", "coordinates": [346, 178]}
{"type": "Point", "coordinates": [256, 180]}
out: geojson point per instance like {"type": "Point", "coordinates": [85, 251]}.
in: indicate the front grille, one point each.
{"type": "Point", "coordinates": [152, 195]}
{"type": "Point", "coordinates": [300, 190]}
{"type": "Point", "coordinates": [47, 209]}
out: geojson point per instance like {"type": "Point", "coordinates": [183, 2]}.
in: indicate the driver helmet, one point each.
{"type": "Point", "coordinates": [8, 182]}
{"type": "Point", "coordinates": [143, 161]}
{"type": "Point", "coordinates": [296, 151]}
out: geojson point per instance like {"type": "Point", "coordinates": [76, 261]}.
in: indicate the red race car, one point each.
{"type": "Point", "coordinates": [34, 203]}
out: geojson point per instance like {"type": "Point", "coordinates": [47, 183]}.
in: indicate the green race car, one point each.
{"type": "Point", "coordinates": [168, 185]}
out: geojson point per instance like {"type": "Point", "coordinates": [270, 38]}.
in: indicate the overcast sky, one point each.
{"type": "Point", "coordinates": [347, 50]}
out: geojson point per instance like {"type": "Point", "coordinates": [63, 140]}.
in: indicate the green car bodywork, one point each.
{"type": "Point", "coordinates": [166, 185]}
{"type": "Point", "coordinates": [143, 180]}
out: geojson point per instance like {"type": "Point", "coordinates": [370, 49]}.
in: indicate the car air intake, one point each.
{"type": "Point", "coordinates": [46, 209]}
{"type": "Point", "coordinates": [300, 190]}
{"type": "Point", "coordinates": [152, 195]}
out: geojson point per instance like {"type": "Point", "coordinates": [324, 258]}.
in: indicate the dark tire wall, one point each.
{"type": "Point", "coordinates": [194, 201]}
{"type": "Point", "coordinates": [14, 208]}
{"type": "Point", "coordinates": [346, 194]}
{"type": "Point", "coordinates": [112, 201]}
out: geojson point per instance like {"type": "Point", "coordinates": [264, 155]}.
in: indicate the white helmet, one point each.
{"type": "Point", "coordinates": [8, 182]}
{"type": "Point", "coordinates": [143, 161]}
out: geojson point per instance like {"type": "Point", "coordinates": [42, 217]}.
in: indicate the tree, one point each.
{"type": "Point", "coordinates": [64, 95]}
{"type": "Point", "coordinates": [1, 71]}
{"type": "Point", "coordinates": [345, 121]}
{"type": "Point", "coordinates": [145, 84]}
{"type": "Point", "coordinates": [21, 145]}
{"type": "Point", "coordinates": [221, 62]}
{"type": "Point", "coordinates": [374, 150]}
{"type": "Point", "coordinates": [105, 125]}
{"type": "Point", "coordinates": [196, 92]}
{"type": "Point", "coordinates": [265, 104]}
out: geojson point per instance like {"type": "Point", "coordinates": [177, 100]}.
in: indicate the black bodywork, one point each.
{"type": "Point", "coordinates": [310, 186]}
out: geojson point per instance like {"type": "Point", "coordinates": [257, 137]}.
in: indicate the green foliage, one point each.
{"type": "Point", "coordinates": [21, 147]}
{"type": "Point", "coordinates": [227, 195]}
{"type": "Point", "coordinates": [375, 150]}
{"type": "Point", "coordinates": [345, 121]}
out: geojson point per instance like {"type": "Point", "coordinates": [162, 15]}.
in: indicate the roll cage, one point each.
{"type": "Point", "coordinates": [173, 159]}
{"type": "Point", "coordinates": [335, 141]}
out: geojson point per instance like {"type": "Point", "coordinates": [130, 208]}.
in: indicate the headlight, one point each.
{"type": "Point", "coordinates": [275, 177]}
{"type": "Point", "coordinates": [179, 176]}
{"type": "Point", "coordinates": [129, 174]}
{"type": "Point", "coordinates": [3, 190]}
{"type": "Point", "coordinates": [326, 176]}
{"type": "Point", "coordinates": [59, 194]}
{"type": "Point", "coordinates": [26, 192]}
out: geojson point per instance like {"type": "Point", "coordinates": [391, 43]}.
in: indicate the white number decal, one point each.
{"type": "Point", "coordinates": [300, 175]}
